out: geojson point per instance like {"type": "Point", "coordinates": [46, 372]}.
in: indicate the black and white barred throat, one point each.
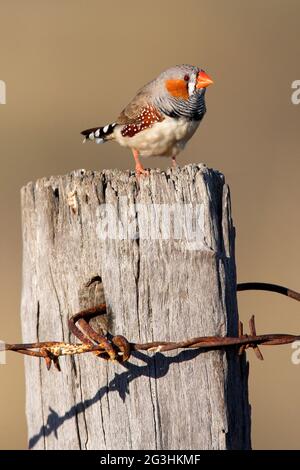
{"type": "Point", "coordinates": [193, 108]}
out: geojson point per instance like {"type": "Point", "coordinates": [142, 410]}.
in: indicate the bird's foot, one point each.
{"type": "Point", "coordinates": [139, 170]}
{"type": "Point", "coordinates": [174, 163]}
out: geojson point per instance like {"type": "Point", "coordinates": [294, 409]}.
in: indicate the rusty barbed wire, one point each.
{"type": "Point", "coordinates": [118, 348]}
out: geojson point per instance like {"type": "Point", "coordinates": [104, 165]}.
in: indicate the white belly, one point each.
{"type": "Point", "coordinates": [164, 139]}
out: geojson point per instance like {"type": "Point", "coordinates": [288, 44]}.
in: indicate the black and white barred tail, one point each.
{"type": "Point", "coordinates": [99, 134]}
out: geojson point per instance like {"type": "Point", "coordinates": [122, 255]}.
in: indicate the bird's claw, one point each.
{"type": "Point", "coordinates": [139, 170]}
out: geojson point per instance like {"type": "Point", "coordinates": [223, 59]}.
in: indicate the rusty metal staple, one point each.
{"type": "Point", "coordinates": [118, 348]}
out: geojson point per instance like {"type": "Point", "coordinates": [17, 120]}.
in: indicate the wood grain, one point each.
{"type": "Point", "coordinates": [156, 288]}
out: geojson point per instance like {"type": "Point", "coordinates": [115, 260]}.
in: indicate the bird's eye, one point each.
{"type": "Point", "coordinates": [186, 78]}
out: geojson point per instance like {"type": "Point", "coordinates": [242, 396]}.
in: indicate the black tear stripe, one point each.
{"type": "Point", "coordinates": [99, 134]}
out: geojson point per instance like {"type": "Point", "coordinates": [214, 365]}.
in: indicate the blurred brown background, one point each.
{"type": "Point", "coordinates": [69, 65]}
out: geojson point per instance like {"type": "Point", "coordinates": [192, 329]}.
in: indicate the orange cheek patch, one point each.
{"type": "Point", "coordinates": [177, 88]}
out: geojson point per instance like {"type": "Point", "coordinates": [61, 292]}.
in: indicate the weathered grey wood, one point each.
{"type": "Point", "coordinates": [168, 289]}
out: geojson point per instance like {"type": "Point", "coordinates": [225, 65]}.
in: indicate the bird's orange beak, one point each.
{"type": "Point", "coordinates": [203, 80]}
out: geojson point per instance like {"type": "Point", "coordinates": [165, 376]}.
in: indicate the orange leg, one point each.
{"type": "Point", "coordinates": [138, 166]}
{"type": "Point", "coordinates": [174, 163]}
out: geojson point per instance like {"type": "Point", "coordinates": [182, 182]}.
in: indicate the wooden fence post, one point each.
{"type": "Point", "coordinates": [174, 281]}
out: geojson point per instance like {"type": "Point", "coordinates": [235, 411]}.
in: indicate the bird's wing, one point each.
{"type": "Point", "coordinates": [133, 111]}
{"type": "Point", "coordinates": [138, 115]}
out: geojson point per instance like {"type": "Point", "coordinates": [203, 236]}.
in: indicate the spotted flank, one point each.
{"type": "Point", "coordinates": [145, 119]}
{"type": "Point", "coordinates": [99, 135]}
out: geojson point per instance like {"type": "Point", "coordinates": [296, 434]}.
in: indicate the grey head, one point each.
{"type": "Point", "coordinates": [180, 92]}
